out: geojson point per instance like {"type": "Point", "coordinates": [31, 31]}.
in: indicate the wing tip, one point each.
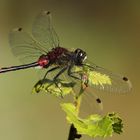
{"type": "Point", "coordinates": [98, 100]}
{"type": "Point", "coordinates": [100, 104]}
{"type": "Point", "coordinates": [45, 12]}
{"type": "Point", "coordinates": [125, 79]}
{"type": "Point", "coordinates": [19, 29]}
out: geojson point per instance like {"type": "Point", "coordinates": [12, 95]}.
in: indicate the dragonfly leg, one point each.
{"type": "Point", "coordinates": [55, 78]}
{"type": "Point", "coordinates": [52, 69]}
{"type": "Point", "coordinates": [71, 73]}
{"type": "Point", "coordinates": [62, 70]}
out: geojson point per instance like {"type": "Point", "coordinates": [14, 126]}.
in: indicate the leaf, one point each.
{"type": "Point", "coordinates": [71, 114]}
{"type": "Point", "coordinates": [97, 78]}
{"type": "Point", "coordinates": [94, 125]}
{"type": "Point", "coordinates": [93, 77]}
{"type": "Point", "coordinates": [118, 125]}
{"type": "Point", "coordinates": [59, 88]}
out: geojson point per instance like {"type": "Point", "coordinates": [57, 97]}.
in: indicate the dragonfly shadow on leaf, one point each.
{"type": "Point", "coordinates": [59, 88]}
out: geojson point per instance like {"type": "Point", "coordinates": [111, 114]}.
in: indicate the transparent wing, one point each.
{"type": "Point", "coordinates": [43, 31]}
{"type": "Point", "coordinates": [89, 104]}
{"type": "Point", "coordinates": [24, 46]}
{"type": "Point", "coordinates": [103, 79]}
{"type": "Point", "coordinates": [29, 47]}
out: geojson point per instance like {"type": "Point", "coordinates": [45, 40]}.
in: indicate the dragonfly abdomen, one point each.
{"type": "Point", "coordinates": [14, 68]}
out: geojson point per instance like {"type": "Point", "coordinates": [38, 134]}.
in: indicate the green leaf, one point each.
{"type": "Point", "coordinates": [117, 125]}
{"type": "Point", "coordinates": [72, 114]}
{"type": "Point", "coordinates": [93, 77]}
{"type": "Point", "coordinates": [94, 125]}
{"type": "Point", "coordinates": [97, 78]}
{"type": "Point", "coordinates": [59, 88]}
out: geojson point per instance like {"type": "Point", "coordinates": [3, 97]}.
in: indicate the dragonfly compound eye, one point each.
{"type": "Point", "coordinates": [80, 56]}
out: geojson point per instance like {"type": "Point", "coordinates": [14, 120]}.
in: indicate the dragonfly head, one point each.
{"type": "Point", "coordinates": [80, 56]}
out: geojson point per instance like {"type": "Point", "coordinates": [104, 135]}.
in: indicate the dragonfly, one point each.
{"type": "Point", "coordinates": [33, 50]}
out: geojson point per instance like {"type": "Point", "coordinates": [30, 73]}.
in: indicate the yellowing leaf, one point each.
{"type": "Point", "coordinates": [97, 78]}
{"type": "Point", "coordinates": [93, 77]}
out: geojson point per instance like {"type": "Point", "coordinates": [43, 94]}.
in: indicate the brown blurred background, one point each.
{"type": "Point", "coordinates": [108, 30]}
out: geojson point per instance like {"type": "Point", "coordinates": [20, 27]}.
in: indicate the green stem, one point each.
{"type": "Point", "coordinates": [77, 102]}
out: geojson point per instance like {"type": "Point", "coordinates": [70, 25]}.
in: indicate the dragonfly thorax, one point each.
{"type": "Point", "coordinates": [52, 57]}
{"type": "Point", "coordinates": [55, 54]}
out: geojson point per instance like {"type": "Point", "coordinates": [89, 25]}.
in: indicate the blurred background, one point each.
{"type": "Point", "coordinates": [108, 30]}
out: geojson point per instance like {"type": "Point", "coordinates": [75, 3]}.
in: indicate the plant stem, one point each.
{"type": "Point", "coordinates": [77, 102]}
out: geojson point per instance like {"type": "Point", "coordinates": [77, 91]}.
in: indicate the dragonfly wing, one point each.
{"type": "Point", "coordinates": [90, 104]}
{"type": "Point", "coordinates": [24, 46]}
{"type": "Point", "coordinates": [106, 80]}
{"type": "Point", "coordinates": [43, 30]}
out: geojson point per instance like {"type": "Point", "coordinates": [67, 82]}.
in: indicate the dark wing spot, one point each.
{"type": "Point", "coordinates": [19, 29]}
{"type": "Point", "coordinates": [48, 12]}
{"type": "Point", "coordinates": [125, 78]}
{"type": "Point", "coordinates": [98, 100]}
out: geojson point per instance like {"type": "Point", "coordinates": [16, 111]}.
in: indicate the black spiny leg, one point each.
{"type": "Point", "coordinates": [70, 73]}
{"type": "Point", "coordinates": [52, 69]}
{"type": "Point", "coordinates": [55, 78]}
{"type": "Point", "coordinates": [60, 72]}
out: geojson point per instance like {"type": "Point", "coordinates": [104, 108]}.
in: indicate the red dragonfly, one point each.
{"type": "Point", "coordinates": [33, 50]}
